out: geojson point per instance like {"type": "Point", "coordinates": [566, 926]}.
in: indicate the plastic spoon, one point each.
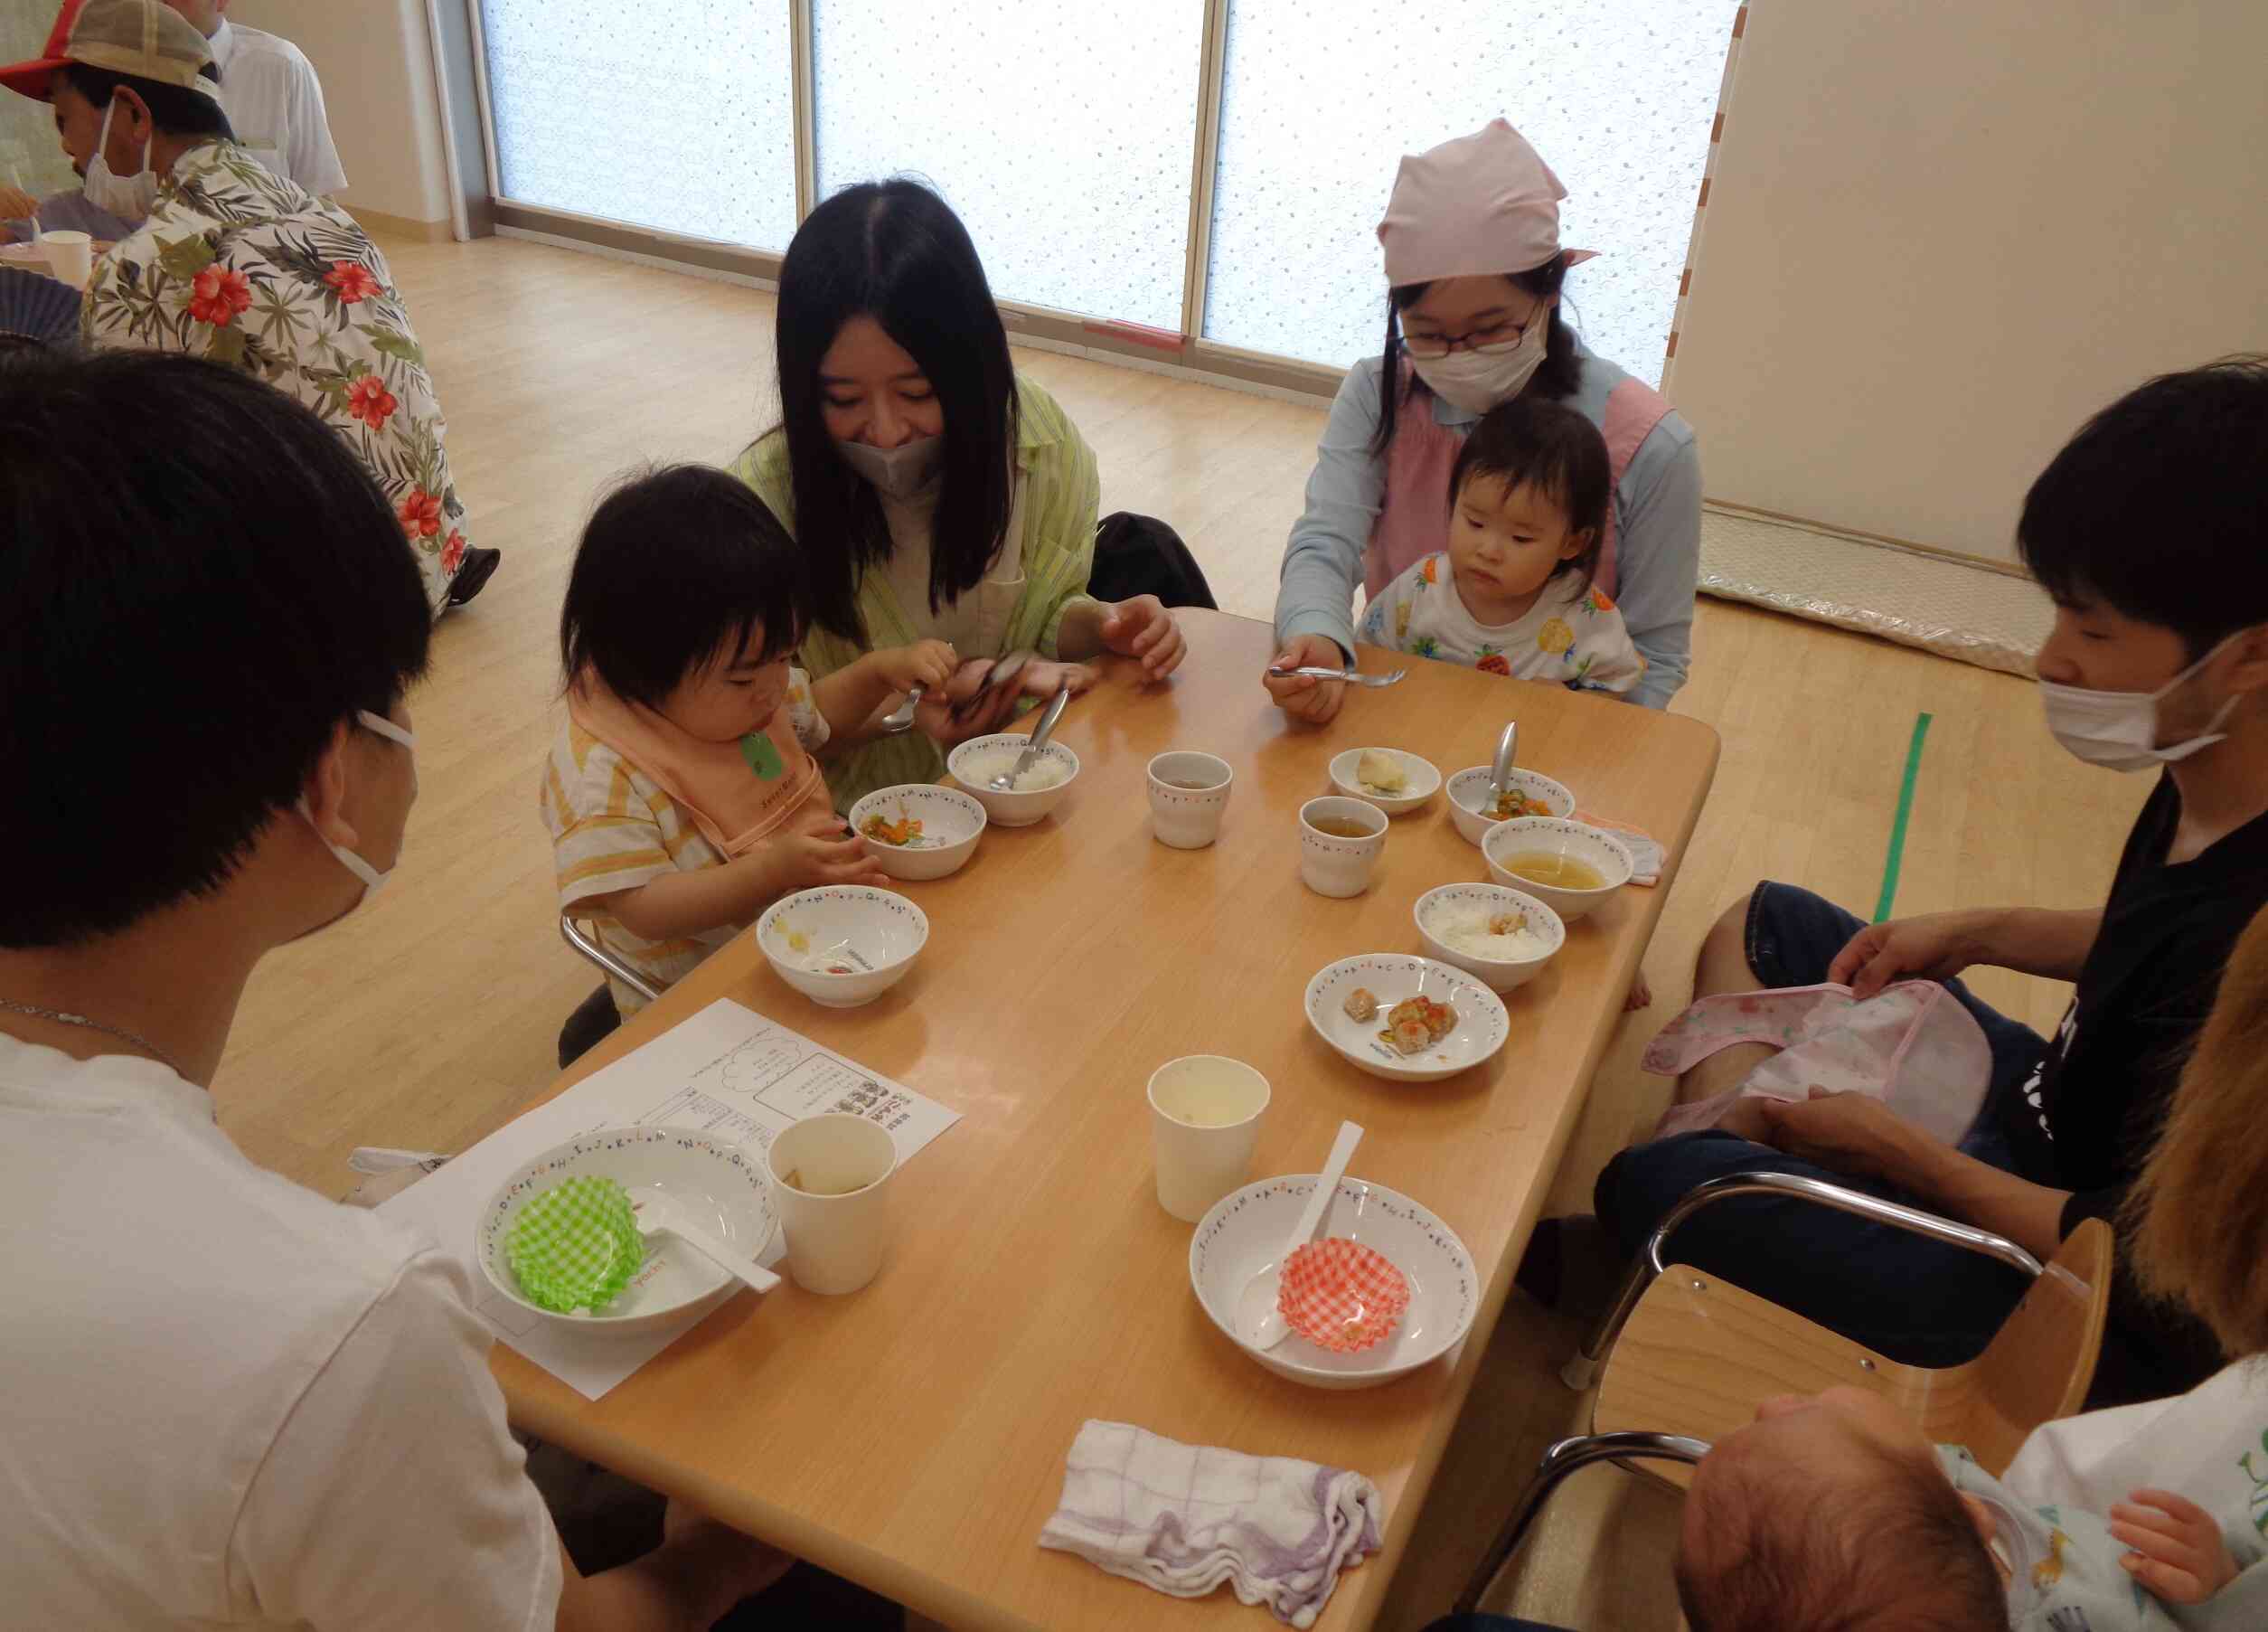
{"type": "Point", "coordinates": [659, 1217]}
{"type": "Point", "coordinates": [1264, 1328]}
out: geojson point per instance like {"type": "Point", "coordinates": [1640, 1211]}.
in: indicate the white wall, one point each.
{"type": "Point", "coordinates": [376, 65]}
{"type": "Point", "coordinates": [1942, 232]}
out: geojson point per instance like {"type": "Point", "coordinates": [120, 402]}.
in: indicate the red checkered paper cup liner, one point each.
{"type": "Point", "coordinates": [1342, 1296]}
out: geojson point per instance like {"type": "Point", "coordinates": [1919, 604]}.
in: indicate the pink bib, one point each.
{"type": "Point", "coordinates": [1413, 519]}
{"type": "Point", "coordinates": [737, 793]}
{"type": "Point", "coordinates": [1911, 1045]}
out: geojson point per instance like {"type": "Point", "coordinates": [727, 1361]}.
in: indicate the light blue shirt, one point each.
{"type": "Point", "coordinates": [1657, 524]}
{"type": "Point", "coordinates": [71, 212]}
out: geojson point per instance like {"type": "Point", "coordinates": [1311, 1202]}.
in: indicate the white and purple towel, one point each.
{"type": "Point", "coordinates": [1184, 1518]}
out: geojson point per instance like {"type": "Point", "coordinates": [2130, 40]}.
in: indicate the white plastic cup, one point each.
{"type": "Point", "coordinates": [1204, 1121]}
{"type": "Point", "coordinates": [1185, 817]}
{"type": "Point", "coordinates": [836, 1220]}
{"type": "Point", "coordinates": [1334, 866]}
{"type": "Point", "coordinates": [71, 255]}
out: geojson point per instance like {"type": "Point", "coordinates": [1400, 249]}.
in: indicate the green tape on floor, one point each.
{"type": "Point", "coordinates": [1897, 828]}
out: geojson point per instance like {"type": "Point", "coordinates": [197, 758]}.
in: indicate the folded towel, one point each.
{"type": "Point", "coordinates": [1184, 1518]}
{"type": "Point", "coordinates": [1645, 850]}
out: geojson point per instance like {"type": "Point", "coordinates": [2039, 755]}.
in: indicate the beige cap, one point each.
{"type": "Point", "coordinates": [142, 38]}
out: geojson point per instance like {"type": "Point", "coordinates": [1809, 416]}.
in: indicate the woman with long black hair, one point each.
{"type": "Point", "coordinates": [1476, 275]}
{"type": "Point", "coordinates": [935, 494]}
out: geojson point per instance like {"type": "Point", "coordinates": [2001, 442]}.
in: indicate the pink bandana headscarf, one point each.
{"type": "Point", "coordinates": [1481, 205]}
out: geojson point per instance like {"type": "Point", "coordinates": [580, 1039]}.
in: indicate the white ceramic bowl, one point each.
{"type": "Point", "coordinates": [1241, 1242]}
{"type": "Point", "coordinates": [1424, 779]}
{"type": "Point", "coordinates": [1468, 791]}
{"type": "Point", "coordinates": [1436, 910]}
{"type": "Point", "coordinates": [1391, 977]}
{"type": "Point", "coordinates": [716, 1186]}
{"type": "Point", "coordinates": [1016, 809]}
{"type": "Point", "coordinates": [1555, 835]}
{"type": "Point", "coordinates": [874, 934]}
{"type": "Point", "coordinates": [951, 824]}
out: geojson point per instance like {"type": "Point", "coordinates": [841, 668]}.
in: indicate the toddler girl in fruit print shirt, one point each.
{"type": "Point", "coordinates": [1512, 594]}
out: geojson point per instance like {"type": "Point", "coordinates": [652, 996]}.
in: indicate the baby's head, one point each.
{"type": "Point", "coordinates": [687, 598]}
{"type": "Point", "coordinates": [1833, 1514]}
{"type": "Point", "coordinates": [1528, 499]}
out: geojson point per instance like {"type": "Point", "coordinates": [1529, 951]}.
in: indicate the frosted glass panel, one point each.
{"type": "Point", "coordinates": [675, 114]}
{"type": "Point", "coordinates": [1061, 130]}
{"type": "Point", "coordinates": [1322, 97]}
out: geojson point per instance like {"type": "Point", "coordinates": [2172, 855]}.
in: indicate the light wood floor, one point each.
{"type": "Point", "coordinates": [428, 1019]}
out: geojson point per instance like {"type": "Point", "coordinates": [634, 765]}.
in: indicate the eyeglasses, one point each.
{"type": "Point", "coordinates": [1494, 340]}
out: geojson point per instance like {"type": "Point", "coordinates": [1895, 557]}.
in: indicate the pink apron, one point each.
{"type": "Point", "coordinates": [1413, 521]}
{"type": "Point", "coordinates": [737, 793]}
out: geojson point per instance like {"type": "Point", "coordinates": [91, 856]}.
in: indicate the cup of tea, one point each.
{"type": "Point", "coordinates": [1204, 1121]}
{"type": "Point", "coordinates": [830, 1175]}
{"type": "Point", "coordinates": [71, 255]}
{"type": "Point", "coordinates": [1339, 843]}
{"type": "Point", "coordinates": [1189, 792]}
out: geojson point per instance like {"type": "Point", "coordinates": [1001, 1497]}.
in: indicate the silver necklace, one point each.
{"type": "Point", "coordinates": [123, 1035]}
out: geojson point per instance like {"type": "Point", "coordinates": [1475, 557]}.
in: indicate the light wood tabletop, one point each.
{"type": "Point", "coordinates": [911, 1436]}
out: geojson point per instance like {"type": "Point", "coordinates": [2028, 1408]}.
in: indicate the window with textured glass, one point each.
{"type": "Point", "coordinates": [1319, 99]}
{"type": "Point", "coordinates": [1060, 131]}
{"type": "Point", "coordinates": [672, 114]}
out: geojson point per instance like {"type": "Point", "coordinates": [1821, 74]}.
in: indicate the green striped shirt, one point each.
{"type": "Point", "coordinates": [1061, 494]}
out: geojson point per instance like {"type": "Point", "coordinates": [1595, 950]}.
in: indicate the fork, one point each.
{"type": "Point", "coordinates": [1349, 676]}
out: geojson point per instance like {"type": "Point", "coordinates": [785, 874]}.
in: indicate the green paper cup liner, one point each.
{"type": "Point", "coordinates": [576, 1245]}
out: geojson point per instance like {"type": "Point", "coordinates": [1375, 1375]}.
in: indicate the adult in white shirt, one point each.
{"type": "Point", "coordinates": [224, 1400]}
{"type": "Point", "coordinates": [272, 96]}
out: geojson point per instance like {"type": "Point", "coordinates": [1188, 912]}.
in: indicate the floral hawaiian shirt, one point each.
{"type": "Point", "coordinates": [239, 266]}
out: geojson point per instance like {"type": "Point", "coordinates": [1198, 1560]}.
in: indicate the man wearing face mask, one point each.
{"type": "Point", "coordinates": [2151, 532]}
{"type": "Point", "coordinates": [235, 264]}
{"type": "Point", "coordinates": [224, 1399]}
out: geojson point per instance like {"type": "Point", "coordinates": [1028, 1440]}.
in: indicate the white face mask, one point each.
{"type": "Point", "coordinates": [373, 879]}
{"type": "Point", "coordinates": [902, 471]}
{"type": "Point", "coordinates": [128, 197]}
{"type": "Point", "coordinates": [1478, 380]}
{"type": "Point", "coordinates": [2119, 730]}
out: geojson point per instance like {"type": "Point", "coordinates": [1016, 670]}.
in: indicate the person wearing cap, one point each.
{"type": "Point", "coordinates": [80, 209]}
{"type": "Point", "coordinates": [233, 263]}
{"type": "Point", "coordinates": [1476, 272]}
{"type": "Point", "coordinates": [273, 96]}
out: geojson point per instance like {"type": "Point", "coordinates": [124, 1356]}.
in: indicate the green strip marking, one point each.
{"type": "Point", "coordinates": [1897, 827]}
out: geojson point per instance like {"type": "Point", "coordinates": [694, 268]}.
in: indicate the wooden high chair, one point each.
{"type": "Point", "coordinates": [1697, 1354]}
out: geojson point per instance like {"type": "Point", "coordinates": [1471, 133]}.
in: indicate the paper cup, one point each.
{"type": "Point", "coordinates": [1204, 1120]}
{"type": "Point", "coordinates": [1188, 794]}
{"type": "Point", "coordinates": [70, 255]}
{"type": "Point", "coordinates": [830, 1175]}
{"type": "Point", "coordinates": [1333, 865]}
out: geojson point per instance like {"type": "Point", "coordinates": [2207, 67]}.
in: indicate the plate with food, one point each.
{"type": "Point", "coordinates": [1475, 809]}
{"type": "Point", "coordinates": [919, 831]}
{"type": "Point", "coordinates": [1407, 1019]}
{"type": "Point", "coordinates": [1387, 778]}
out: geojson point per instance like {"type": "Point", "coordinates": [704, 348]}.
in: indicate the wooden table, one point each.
{"type": "Point", "coordinates": [911, 1436]}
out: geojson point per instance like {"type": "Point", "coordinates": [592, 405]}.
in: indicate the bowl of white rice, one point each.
{"type": "Point", "coordinates": [1036, 792]}
{"type": "Point", "coordinates": [1499, 936]}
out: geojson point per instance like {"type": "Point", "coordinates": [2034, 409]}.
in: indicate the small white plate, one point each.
{"type": "Point", "coordinates": [1482, 1022]}
{"type": "Point", "coordinates": [951, 824]}
{"type": "Point", "coordinates": [1424, 780]}
{"type": "Point", "coordinates": [716, 1187]}
{"type": "Point", "coordinates": [1242, 1239]}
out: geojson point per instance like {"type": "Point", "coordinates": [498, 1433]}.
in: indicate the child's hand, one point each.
{"type": "Point", "coordinates": [2178, 1553]}
{"type": "Point", "coordinates": [16, 204]}
{"type": "Point", "coordinates": [926, 663]}
{"type": "Point", "coordinates": [1142, 628]}
{"type": "Point", "coordinates": [817, 847]}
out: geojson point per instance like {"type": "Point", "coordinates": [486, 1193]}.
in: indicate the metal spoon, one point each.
{"type": "Point", "coordinates": [1263, 1327]}
{"type": "Point", "coordinates": [1503, 768]}
{"type": "Point", "coordinates": [1349, 676]}
{"type": "Point", "coordinates": [1003, 672]}
{"type": "Point", "coordinates": [900, 720]}
{"type": "Point", "coordinates": [1006, 783]}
